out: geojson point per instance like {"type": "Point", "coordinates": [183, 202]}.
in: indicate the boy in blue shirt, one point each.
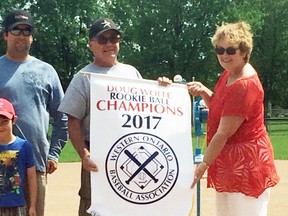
{"type": "Point", "coordinates": [16, 165]}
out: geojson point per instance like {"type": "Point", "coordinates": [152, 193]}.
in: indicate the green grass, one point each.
{"type": "Point", "coordinates": [278, 132]}
{"type": "Point", "coordinates": [278, 128]}
{"type": "Point", "coordinates": [280, 146]}
{"type": "Point", "coordinates": [69, 154]}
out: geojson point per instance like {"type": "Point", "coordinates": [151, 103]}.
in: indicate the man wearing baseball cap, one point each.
{"type": "Point", "coordinates": [104, 42]}
{"type": "Point", "coordinates": [16, 166]}
{"type": "Point", "coordinates": [101, 26]}
{"type": "Point", "coordinates": [34, 88]}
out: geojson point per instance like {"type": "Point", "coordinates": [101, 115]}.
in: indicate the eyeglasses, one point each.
{"type": "Point", "coordinates": [104, 40]}
{"type": "Point", "coordinates": [229, 50]}
{"type": "Point", "coordinates": [16, 31]}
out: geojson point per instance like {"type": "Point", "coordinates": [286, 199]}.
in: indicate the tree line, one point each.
{"type": "Point", "coordinates": [162, 37]}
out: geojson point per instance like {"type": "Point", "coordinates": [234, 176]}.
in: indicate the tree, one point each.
{"type": "Point", "coordinates": [62, 36]}
{"type": "Point", "coordinates": [272, 51]}
{"type": "Point", "coordinates": [162, 37]}
{"type": "Point", "coordinates": [169, 37]}
{"type": "Point", "coordinates": [269, 24]}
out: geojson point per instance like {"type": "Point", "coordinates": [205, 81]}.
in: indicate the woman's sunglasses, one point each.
{"type": "Point", "coordinates": [229, 50]}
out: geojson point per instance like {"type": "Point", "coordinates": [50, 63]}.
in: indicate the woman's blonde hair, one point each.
{"type": "Point", "coordinates": [238, 34]}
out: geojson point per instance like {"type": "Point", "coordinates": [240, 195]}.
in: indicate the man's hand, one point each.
{"type": "Point", "coordinates": [88, 164]}
{"type": "Point", "coordinates": [51, 166]}
{"type": "Point", "coordinates": [164, 81]}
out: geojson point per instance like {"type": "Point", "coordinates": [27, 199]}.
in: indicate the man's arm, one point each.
{"type": "Point", "coordinates": [77, 139]}
{"type": "Point", "coordinates": [59, 123]}
{"type": "Point", "coordinates": [58, 140]}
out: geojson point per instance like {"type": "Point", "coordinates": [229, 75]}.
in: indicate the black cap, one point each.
{"type": "Point", "coordinates": [17, 17]}
{"type": "Point", "coordinates": [102, 25]}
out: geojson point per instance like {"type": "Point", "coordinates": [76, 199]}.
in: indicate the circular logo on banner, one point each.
{"type": "Point", "coordinates": [141, 168]}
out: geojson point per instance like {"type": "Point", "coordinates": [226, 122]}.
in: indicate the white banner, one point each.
{"type": "Point", "coordinates": [140, 138]}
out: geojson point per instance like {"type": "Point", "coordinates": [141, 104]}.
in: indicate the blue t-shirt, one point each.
{"type": "Point", "coordinates": [15, 158]}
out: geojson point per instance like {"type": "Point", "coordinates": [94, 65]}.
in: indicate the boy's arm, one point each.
{"type": "Point", "coordinates": [32, 183]}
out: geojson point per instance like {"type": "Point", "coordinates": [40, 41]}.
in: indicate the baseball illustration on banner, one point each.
{"type": "Point", "coordinates": [148, 168]}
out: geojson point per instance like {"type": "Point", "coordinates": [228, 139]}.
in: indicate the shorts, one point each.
{"type": "Point", "coordinates": [13, 211]}
{"type": "Point", "coordinates": [41, 193]}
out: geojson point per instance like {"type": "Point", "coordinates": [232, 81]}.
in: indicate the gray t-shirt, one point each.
{"type": "Point", "coordinates": [76, 101]}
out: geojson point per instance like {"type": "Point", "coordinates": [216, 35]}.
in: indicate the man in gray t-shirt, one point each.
{"type": "Point", "coordinates": [104, 38]}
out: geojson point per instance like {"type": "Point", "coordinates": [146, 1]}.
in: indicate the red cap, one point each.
{"type": "Point", "coordinates": [6, 108]}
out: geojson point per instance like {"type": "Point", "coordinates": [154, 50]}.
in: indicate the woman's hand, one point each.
{"type": "Point", "coordinates": [195, 88]}
{"type": "Point", "coordinates": [164, 81]}
{"type": "Point", "coordinates": [199, 172]}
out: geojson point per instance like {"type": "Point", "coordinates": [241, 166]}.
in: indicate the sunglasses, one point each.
{"type": "Point", "coordinates": [229, 50]}
{"type": "Point", "coordinates": [104, 40]}
{"type": "Point", "coordinates": [16, 31]}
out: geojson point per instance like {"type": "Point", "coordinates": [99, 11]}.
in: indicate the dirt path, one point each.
{"type": "Point", "coordinates": [63, 186]}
